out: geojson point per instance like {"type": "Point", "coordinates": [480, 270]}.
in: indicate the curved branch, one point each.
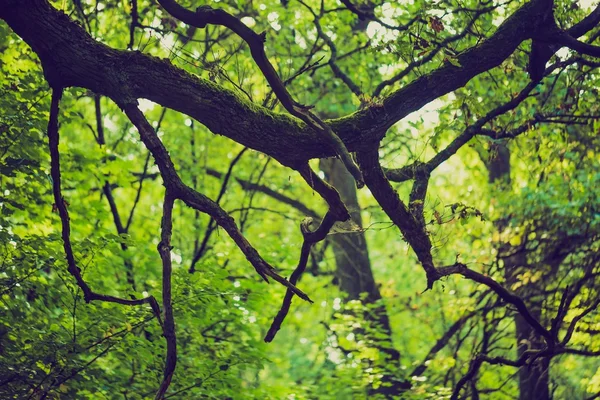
{"type": "Point", "coordinates": [502, 292]}
{"type": "Point", "coordinates": [70, 57]}
{"type": "Point", "coordinates": [581, 47]}
{"type": "Point", "coordinates": [417, 168]}
{"type": "Point", "coordinates": [411, 171]}
{"type": "Point", "coordinates": [310, 238]}
{"type": "Point", "coordinates": [61, 206]}
{"type": "Point", "coordinates": [198, 201]}
{"type": "Point", "coordinates": [337, 212]}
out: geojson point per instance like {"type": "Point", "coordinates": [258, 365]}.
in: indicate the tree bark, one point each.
{"type": "Point", "coordinates": [355, 277]}
{"type": "Point", "coordinates": [533, 379]}
{"type": "Point", "coordinates": [71, 58]}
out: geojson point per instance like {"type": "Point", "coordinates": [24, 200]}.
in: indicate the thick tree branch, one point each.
{"type": "Point", "coordinates": [586, 24]}
{"type": "Point", "coordinates": [412, 230]}
{"type": "Point", "coordinates": [207, 15]}
{"type": "Point", "coordinates": [581, 47]}
{"type": "Point", "coordinates": [70, 57]}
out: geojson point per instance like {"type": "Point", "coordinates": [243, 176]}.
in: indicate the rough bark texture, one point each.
{"type": "Point", "coordinates": [70, 57]}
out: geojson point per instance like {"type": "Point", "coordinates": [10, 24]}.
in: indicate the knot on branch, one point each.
{"type": "Point", "coordinates": [202, 13]}
{"type": "Point", "coordinates": [163, 248]}
{"type": "Point", "coordinates": [433, 275]}
{"type": "Point", "coordinates": [305, 226]}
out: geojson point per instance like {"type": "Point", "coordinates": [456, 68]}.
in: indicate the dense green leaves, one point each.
{"type": "Point", "coordinates": [518, 202]}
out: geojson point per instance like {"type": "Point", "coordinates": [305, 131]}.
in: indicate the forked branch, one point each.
{"type": "Point", "coordinates": [198, 201]}
{"type": "Point", "coordinates": [61, 205]}
{"type": "Point", "coordinates": [207, 15]}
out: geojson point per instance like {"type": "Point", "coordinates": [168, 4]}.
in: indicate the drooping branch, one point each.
{"type": "Point", "coordinates": [310, 238]}
{"type": "Point", "coordinates": [107, 188]}
{"type": "Point", "coordinates": [416, 235]}
{"type": "Point", "coordinates": [501, 291]}
{"type": "Point", "coordinates": [337, 212]}
{"type": "Point", "coordinates": [198, 201]}
{"type": "Point", "coordinates": [61, 206]}
{"type": "Point", "coordinates": [108, 192]}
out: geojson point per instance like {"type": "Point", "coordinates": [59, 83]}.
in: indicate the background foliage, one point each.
{"type": "Point", "coordinates": [545, 209]}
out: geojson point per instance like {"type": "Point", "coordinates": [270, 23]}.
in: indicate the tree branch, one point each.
{"type": "Point", "coordinates": [207, 15]}
{"type": "Point", "coordinates": [61, 206]}
{"type": "Point", "coordinates": [164, 249]}
{"type": "Point", "coordinates": [503, 293]}
{"type": "Point", "coordinates": [198, 201]}
{"type": "Point", "coordinates": [310, 238]}
{"type": "Point", "coordinates": [70, 57]}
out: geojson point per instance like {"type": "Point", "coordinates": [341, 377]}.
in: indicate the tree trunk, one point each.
{"type": "Point", "coordinates": [533, 379]}
{"type": "Point", "coordinates": [353, 270]}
